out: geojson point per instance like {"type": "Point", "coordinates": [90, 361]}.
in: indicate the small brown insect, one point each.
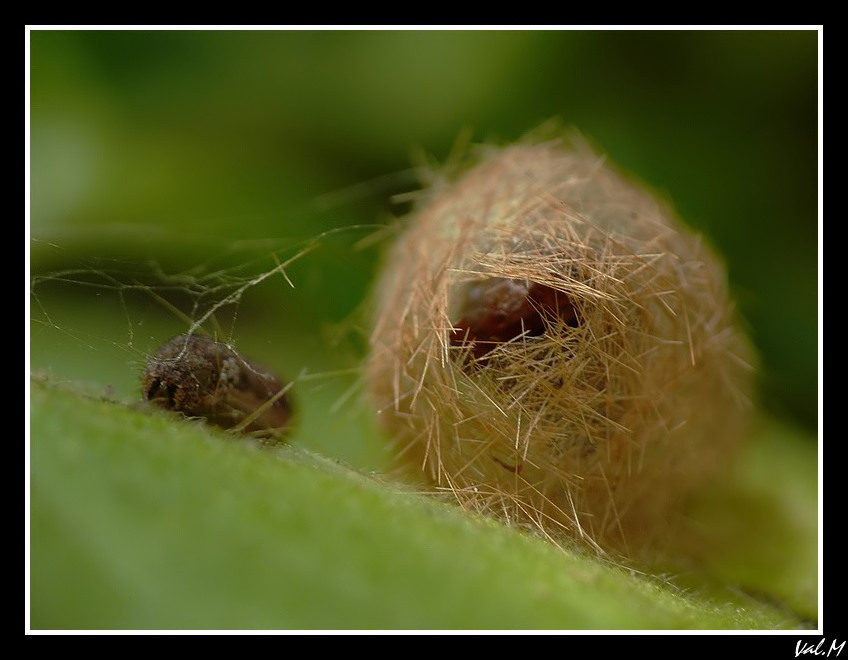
{"type": "Point", "coordinates": [499, 309]}
{"type": "Point", "coordinates": [200, 377]}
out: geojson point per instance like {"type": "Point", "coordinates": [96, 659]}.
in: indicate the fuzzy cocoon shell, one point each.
{"type": "Point", "coordinates": [598, 423]}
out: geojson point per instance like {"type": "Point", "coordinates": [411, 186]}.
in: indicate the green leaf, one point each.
{"type": "Point", "coordinates": [141, 520]}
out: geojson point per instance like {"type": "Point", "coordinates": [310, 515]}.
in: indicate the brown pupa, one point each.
{"type": "Point", "coordinates": [203, 378]}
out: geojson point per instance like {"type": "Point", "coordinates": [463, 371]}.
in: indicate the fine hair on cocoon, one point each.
{"type": "Point", "coordinates": [553, 347]}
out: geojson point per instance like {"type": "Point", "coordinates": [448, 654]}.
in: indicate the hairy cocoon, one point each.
{"type": "Point", "coordinates": [554, 348]}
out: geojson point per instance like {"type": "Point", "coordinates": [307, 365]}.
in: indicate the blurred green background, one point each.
{"type": "Point", "coordinates": [185, 162]}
